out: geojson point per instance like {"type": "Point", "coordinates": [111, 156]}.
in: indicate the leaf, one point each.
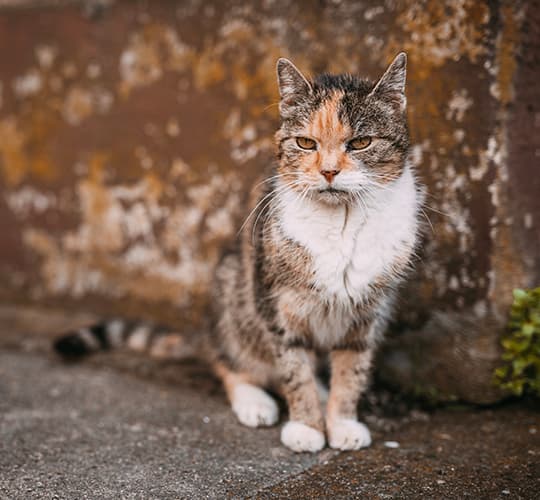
{"type": "Point", "coordinates": [521, 347]}
{"type": "Point", "coordinates": [508, 343]}
{"type": "Point", "coordinates": [519, 365]}
{"type": "Point", "coordinates": [527, 329]}
{"type": "Point", "coordinates": [535, 318]}
{"type": "Point", "coordinates": [519, 294]}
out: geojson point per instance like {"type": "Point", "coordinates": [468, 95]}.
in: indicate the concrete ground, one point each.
{"type": "Point", "coordinates": [119, 426]}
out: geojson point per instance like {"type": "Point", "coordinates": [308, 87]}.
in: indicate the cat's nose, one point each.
{"type": "Point", "coordinates": [329, 174]}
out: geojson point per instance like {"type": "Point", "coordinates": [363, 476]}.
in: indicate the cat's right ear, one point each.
{"type": "Point", "coordinates": [391, 86]}
{"type": "Point", "coordinates": [293, 86]}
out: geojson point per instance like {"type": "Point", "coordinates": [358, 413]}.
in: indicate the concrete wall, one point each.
{"type": "Point", "coordinates": [130, 133]}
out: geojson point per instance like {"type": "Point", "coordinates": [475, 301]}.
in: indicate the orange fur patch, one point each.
{"type": "Point", "coordinates": [331, 133]}
{"type": "Point", "coordinates": [326, 126]}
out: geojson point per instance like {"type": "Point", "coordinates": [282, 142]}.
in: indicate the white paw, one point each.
{"type": "Point", "coordinates": [300, 437]}
{"type": "Point", "coordinates": [348, 434]}
{"type": "Point", "coordinates": [253, 406]}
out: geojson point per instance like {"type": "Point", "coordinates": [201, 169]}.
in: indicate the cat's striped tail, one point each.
{"type": "Point", "coordinates": [142, 337]}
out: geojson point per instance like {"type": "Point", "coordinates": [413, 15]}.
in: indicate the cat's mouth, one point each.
{"type": "Point", "coordinates": [332, 190]}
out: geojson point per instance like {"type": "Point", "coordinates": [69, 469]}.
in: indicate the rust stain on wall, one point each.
{"type": "Point", "coordinates": [14, 161]}
{"type": "Point", "coordinates": [507, 266]}
{"type": "Point", "coordinates": [511, 15]}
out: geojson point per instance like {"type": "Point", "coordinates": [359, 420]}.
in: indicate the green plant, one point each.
{"type": "Point", "coordinates": [521, 372]}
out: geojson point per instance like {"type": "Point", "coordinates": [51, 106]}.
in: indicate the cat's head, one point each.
{"type": "Point", "coordinates": [341, 137]}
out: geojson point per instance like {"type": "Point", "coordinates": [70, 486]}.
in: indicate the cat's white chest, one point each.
{"type": "Point", "coordinates": [330, 236]}
{"type": "Point", "coordinates": [350, 250]}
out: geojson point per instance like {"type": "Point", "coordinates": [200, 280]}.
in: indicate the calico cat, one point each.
{"type": "Point", "coordinates": [315, 270]}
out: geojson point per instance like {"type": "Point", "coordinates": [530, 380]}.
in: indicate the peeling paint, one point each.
{"type": "Point", "coordinates": [459, 135]}
{"type": "Point", "coordinates": [145, 159]}
{"type": "Point", "coordinates": [528, 220]}
{"type": "Point", "coordinates": [477, 173]}
{"type": "Point", "coordinates": [458, 105]}
{"type": "Point", "coordinates": [46, 55]}
{"type": "Point", "coordinates": [480, 309]}
{"type": "Point", "coordinates": [28, 85]}
{"type": "Point", "coordinates": [142, 62]}
{"type": "Point", "coordinates": [373, 12]}
{"type": "Point", "coordinates": [77, 106]}
{"type": "Point", "coordinates": [172, 128]}
{"type": "Point", "coordinates": [126, 227]}
{"type": "Point", "coordinates": [93, 70]}
{"type": "Point", "coordinates": [442, 31]}
{"type": "Point", "coordinates": [243, 138]}
{"type": "Point", "coordinates": [453, 283]}
{"type": "Point", "coordinates": [27, 200]}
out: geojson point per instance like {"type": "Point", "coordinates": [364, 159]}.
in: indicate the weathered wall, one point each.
{"type": "Point", "coordinates": [130, 133]}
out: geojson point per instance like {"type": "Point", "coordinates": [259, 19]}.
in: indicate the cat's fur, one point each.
{"type": "Point", "coordinates": [315, 271]}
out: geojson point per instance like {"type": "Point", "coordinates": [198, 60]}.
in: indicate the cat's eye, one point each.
{"type": "Point", "coordinates": [306, 143]}
{"type": "Point", "coordinates": [360, 143]}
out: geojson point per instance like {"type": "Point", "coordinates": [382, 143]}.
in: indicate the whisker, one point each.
{"type": "Point", "coordinates": [273, 191]}
{"type": "Point", "coordinates": [270, 179]}
{"type": "Point", "coordinates": [437, 211]}
{"type": "Point", "coordinates": [271, 106]}
{"type": "Point", "coordinates": [275, 194]}
{"type": "Point", "coordinates": [279, 203]}
{"type": "Point", "coordinates": [428, 220]}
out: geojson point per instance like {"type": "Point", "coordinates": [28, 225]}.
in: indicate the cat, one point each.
{"type": "Point", "coordinates": [314, 273]}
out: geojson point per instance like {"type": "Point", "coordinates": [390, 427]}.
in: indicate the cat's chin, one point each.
{"type": "Point", "coordinates": [332, 196]}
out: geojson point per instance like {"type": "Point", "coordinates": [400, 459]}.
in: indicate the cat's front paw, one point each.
{"type": "Point", "coordinates": [300, 437]}
{"type": "Point", "coordinates": [348, 434]}
{"type": "Point", "coordinates": [254, 407]}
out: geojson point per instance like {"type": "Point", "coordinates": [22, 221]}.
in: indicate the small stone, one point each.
{"type": "Point", "coordinates": [206, 419]}
{"type": "Point", "coordinates": [505, 492]}
{"type": "Point", "coordinates": [54, 392]}
{"type": "Point", "coordinates": [441, 481]}
{"type": "Point", "coordinates": [391, 444]}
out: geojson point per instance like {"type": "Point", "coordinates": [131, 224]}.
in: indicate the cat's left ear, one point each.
{"type": "Point", "coordinates": [293, 85]}
{"type": "Point", "coordinates": [391, 86]}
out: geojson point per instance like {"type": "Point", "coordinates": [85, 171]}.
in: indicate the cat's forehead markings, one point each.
{"type": "Point", "coordinates": [325, 124]}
